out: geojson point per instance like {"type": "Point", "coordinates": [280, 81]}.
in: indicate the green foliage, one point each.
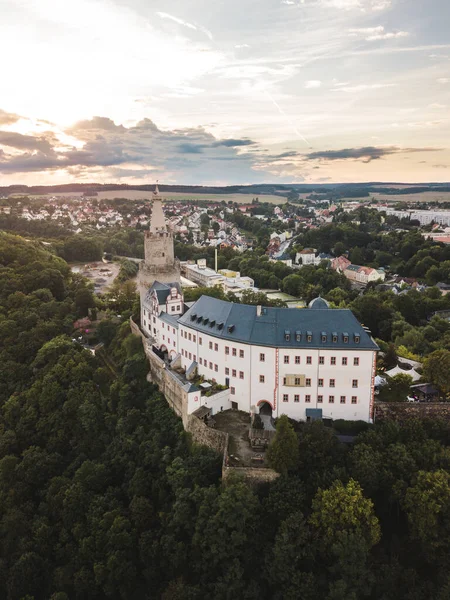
{"type": "Point", "coordinates": [128, 270]}
{"type": "Point", "coordinates": [397, 388]}
{"type": "Point", "coordinates": [436, 370]}
{"type": "Point", "coordinates": [343, 509]}
{"type": "Point", "coordinates": [283, 452]}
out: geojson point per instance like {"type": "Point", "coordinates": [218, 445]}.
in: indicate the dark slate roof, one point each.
{"type": "Point", "coordinates": [172, 320]}
{"type": "Point", "coordinates": [162, 290]}
{"type": "Point", "coordinates": [240, 323]}
{"type": "Point", "coordinates": [318, 303]}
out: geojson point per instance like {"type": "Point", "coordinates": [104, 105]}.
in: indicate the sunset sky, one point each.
{"type": "Point", "coordinates": [224, 92]}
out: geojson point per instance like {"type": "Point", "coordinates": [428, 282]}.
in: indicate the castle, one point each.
{"type": "Point", "coordinates": [306, 363]}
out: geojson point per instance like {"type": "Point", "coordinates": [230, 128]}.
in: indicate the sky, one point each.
{"type": "Point", "coordinates": [224, 92]}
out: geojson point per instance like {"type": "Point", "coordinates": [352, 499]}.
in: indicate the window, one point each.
{"type": "Point", "coordinates": [227, 371]}
{"type": "Point", "coordinates": [262, 358]}
{"type": "Point", "coordinates": [320, 383]}
{"type": "Point", "coordinates": [332, 382]}
{"type": "Point", "coordinates": [284, 380]}
{"type": "Point", "coordinates": [216, 368]}
{"type": "Point", "coordinates": [233, 351]}
{"type": "Point", "coordinates": [345, 338]}
{"type": "Point", "coordinates": [296, 398]}
{"type": "Point", "coordinates": [216, 347]}
{"type": "Point", "coordinates": [234, 373]}
{"type": "Point", "coordinates": [356, 338]}
{"type": "Point", "coordinates": [154, 320]}
{"type": "Point", "coordinates": [309, 337]}
{"type": "Point", "coordinates": [307, 398]}
{"type": "Point", "coordinates": [233, 391]}
{"type": "Point", "coordinates": [297, 360]}
{"type": "Point", "coordinates": [241, 354]}
{"type": "Point", "coordinates": [309, 360]}
{"type": "Point", "coordinates": [333, 360]}
{"type": "Point", "coordinates": [163, 325]}
{"type": "Point", "coordinates": [210, 365]}
{"type": "Point", "coordinates": [173, 308]}
{"type": "Point", "coordinates": [194, 337]}
{"type": "Point", "coordinates": [287, 336]}
{"type": "Point", "coordinates": [354, 383]}
{"type": "Point", "coordinates": [321, 360]}
{"type": "Point", "coordinates": [164, 337]}
{"type": "Point", "coordinates": [173, 331]}
{"type": "Point", "coordinates": [356, 361]}
{"type": "Point", "coordinates": [210, 345]}
{"type": "Point", "coordinates": [168, 340]}
{"type": "Point", "coordinates": [308, 382]}
{"type": "Point", "coordinates": [331, 399]}
{"type": "Point", "coordinates": [342, 399]}
{"type": "Point", "coordinates": [262, 379]}
{"type": "Point", "coordinates": [344, 361]}
{"type": "Point", "coordinates": [178, 307]}
{"type": "Point", "coordinates": [145, 323]}
{"type": "Point", "coordinates": [200, 341]}
{"type": "Point", "coordinates": [297, 381]}
{"type": "Point", "coordinates": [319, 399]}
{"type": "Point", "coordinates": [298, 336]}
{"type": "Point", "coordinates": [154, 329]}
{"type": "Point", "coordinates": [190, 337]}
{"type": "Point", "coordinates": [227, 350]}
{"type": "Point", "coordinates": [324, 338]}
{"type": "Point", "coordinates": [241, 374]}
{"type": "Point", "coordinates": [286, 360]}
{"type": "Point", "coordinates": [285, 397]}
{"type": "Point", "coordinates": [354, 400]}
{"type": "Point", "coordinates": [190, 356]}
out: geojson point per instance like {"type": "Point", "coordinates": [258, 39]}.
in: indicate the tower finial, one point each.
{"type": "Point", "coordinates": [156, 192]}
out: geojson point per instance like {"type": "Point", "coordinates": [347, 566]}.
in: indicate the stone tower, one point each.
{"type": "Point", "coordinates": [159, 263]}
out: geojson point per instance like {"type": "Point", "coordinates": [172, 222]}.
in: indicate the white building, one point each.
{"type": "Point", "coordinates": [306, 363]}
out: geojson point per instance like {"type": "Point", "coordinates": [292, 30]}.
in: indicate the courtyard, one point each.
{"type": "Point", "coordinates": [237, 424]}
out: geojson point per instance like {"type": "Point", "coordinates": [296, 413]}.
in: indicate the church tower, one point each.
{"type": "Point", "coordinates": [159, 263]}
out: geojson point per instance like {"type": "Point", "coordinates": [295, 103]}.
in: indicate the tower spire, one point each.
{"type": "Point", "coordinates": [157, 220]}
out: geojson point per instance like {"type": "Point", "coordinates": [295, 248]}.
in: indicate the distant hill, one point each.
{"type": "Point", "coordinates": [344, 190]}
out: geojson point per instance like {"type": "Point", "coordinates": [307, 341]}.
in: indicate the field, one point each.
{"type": "Point", "coordinates": [139, 195]}
{"type": "Point", "coordinates": [240, 198]}
{"type": "Point", "coordinates": [436, 196]}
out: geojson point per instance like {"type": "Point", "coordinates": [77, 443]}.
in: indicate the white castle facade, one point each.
{"type": "Point", "coordinates": [306, 363]}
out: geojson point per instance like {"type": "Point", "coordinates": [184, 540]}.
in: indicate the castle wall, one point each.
{"type": "Point", "coordinates": [401, 411]}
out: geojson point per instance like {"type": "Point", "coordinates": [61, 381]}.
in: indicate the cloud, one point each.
{"type": "Point", "coordinates": [7, 118]}
{"type": "Point", "coordinates": [25, 142]}
{"type": "Point", "coordinates": [366, 154]}
{"type": "Point", "coordinates": [443, 80]}
{"type": "Point", "coordinates": [313, 84]}
{"type": "Point", "coordinates": [238, 46]}
{"type": "Point", "coordinates": [178, 21]}
{"type": "Point", "coordinates": [441, 166]}
{"type": "Point", "coordinates": [354, 89]}
{"type": "Point", "coordinates": [372, 34]}
{"type": "Point", "coordinates": [114, 150]}
{"type": "Point", "coordinates": [437, 105]}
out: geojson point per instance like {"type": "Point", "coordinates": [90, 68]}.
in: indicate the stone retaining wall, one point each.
{"type": "Point", "coordinates": [399, 411]}
{"type": "Point", "coordinates": [177, 398]}
{"type": "Point", "coordinates": [206, 436]}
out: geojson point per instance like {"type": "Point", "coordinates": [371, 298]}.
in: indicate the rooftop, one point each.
{"type": "Point", "coordinates": [278, 327]}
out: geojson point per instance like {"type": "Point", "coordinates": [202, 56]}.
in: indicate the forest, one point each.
{"type": "Point", "coordinates": [103, 494]}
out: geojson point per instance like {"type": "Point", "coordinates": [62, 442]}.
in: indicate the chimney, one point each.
{"type": "Point", "coordinates": [215, 261]}
{"type": "Point", "coordinates": [258, 310]}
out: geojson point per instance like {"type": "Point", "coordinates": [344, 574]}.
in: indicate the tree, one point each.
{"type": "Point", "coordinates": [343, 509]}
{"type": "Point", "coordinates": [283, 453]}
{"type": "Point", "coordinates": [427, 504]}
{"type": "Point", "coordinates": [436, 369]}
